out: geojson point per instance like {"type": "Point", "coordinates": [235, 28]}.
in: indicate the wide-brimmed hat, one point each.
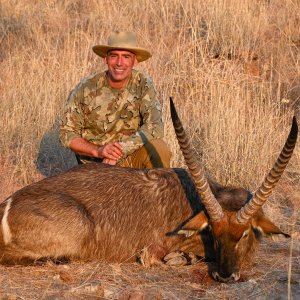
{"type": "Point", "coordinates": [122, 41]}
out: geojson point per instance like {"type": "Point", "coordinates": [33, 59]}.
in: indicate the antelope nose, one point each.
{"type": "Point", "coordinates": [232, 277]}
{"type": "Point", "coordinates": [235, 276]}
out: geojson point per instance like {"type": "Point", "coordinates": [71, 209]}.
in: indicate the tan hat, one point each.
{"type": "Point", "coordinates": [122, 41]}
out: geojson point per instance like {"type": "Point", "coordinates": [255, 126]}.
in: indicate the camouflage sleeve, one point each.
{"type": "Point", "coordinates": [152, 125]}
{"type": "Point", "coordinates": [72, 119]}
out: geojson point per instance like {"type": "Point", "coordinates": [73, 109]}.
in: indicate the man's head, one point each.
{"type": "Point", "coordinates": [119, 64]}
{"type": "Point", "coordinates": [121, 54]}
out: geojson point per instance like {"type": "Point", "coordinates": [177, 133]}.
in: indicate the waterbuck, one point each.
{"type": "Point", "coordinates": [97, 211]}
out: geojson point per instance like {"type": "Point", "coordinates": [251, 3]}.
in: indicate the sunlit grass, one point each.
{"type": "Point", "coordinates": [228, 65]}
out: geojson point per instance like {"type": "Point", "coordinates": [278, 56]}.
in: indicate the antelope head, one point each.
{"type": "Point", "coordinates": [234, 227]}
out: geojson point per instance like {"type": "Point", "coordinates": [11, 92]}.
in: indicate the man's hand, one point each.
{"type": "Point", "coordinates": [108, 161]}
{"type": "Point", "coordinates": [110, 152]}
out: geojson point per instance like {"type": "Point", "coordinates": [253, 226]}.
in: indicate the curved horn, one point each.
{"type": "Point", "coordinates": [266, 188]}
{"type": "Point", "coordinates": [211, 204]}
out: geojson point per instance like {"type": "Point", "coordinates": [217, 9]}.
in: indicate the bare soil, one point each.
{"type": "Point", "coordinates": [268, 278]}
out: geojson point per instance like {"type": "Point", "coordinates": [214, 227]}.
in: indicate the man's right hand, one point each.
{"type": "Point", "coordinates": [111, 162]}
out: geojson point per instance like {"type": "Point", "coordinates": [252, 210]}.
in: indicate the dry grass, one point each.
{"type": "Point", "coordinates": [233, 69]}
{"type": "Point", "coordinates": [230, 65]}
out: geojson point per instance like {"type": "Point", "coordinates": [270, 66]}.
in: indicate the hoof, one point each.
{"type": "Point", "coordinates": [175, 259]}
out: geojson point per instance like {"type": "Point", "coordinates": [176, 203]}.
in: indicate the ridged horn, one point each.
{"type": "Point", "coordinates": [266, 188]}
{"type": "Point", "coordinates": [211, 204]}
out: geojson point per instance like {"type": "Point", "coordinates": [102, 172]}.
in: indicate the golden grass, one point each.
{"type": "Point", "coordinates": [232, 67]}
{"type": "Point", "coordinates": [228, 64]}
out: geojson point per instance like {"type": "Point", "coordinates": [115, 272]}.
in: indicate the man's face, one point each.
{"type": "Point", "coordinates": [120, 64]}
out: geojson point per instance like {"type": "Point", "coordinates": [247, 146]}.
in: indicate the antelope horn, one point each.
{"type": "Point", "coordinates": [266, 188]}
{"type": "Point", "coordinates": [211, 204]}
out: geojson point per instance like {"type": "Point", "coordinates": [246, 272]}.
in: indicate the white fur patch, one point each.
{"type": "Point", "coordinates": [203, 226]}
{"type": "Point", "coordinates": [4, 223]}
{"type": "Point", "coordinates": [187, 232]}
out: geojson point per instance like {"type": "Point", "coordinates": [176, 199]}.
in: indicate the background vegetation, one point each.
{"type": "Point", "coordinates": [232, 67]}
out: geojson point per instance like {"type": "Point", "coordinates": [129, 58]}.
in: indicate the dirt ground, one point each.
{"type": "Point", "coordinates": [274, 275]}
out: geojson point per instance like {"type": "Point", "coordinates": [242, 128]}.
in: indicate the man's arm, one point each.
{"type": "Point", "coordinates": [152, 125]}
{"type": "Point", "coordinates": [71, 129]}
{"type": "Point", "coordinates": [110, 152]}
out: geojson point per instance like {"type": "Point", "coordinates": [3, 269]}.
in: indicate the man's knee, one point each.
{"type": "Point", "coordinates": [158, 153]}
{"type": "Point", "coordinates": [154, 154]}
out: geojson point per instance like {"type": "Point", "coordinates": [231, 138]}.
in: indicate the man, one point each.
{"type": "Point", "coordinates": [114, 116]}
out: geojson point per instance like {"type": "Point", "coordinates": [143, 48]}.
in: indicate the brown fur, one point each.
{"type": "Point", "coordinates": [97, 211]}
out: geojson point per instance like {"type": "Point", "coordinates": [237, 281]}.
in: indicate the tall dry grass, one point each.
{"type": "Point", "coordinates": [231, 66]}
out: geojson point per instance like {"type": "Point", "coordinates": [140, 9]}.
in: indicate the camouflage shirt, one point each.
{"type": "Point", "coordinates": [101, 114]}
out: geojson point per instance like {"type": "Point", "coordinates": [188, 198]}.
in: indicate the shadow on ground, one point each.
{"type": "Point", "coordinates": [52, 157]}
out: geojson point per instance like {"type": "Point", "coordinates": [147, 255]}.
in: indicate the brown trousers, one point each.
{"type": "Point", "coordinates": [154, 154]}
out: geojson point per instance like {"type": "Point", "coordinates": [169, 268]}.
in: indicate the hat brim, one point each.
{"type": "Point", "coordinates": [141, 53]}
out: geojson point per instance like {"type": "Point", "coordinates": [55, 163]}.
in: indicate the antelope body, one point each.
{"type": "Point", "coordinates": [97, 211]}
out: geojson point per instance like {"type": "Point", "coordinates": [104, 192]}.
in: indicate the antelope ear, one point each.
{"type": "Point", "coordinates": [268, 229]}
{"type": "Point", "coordinates": [194, 225]}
